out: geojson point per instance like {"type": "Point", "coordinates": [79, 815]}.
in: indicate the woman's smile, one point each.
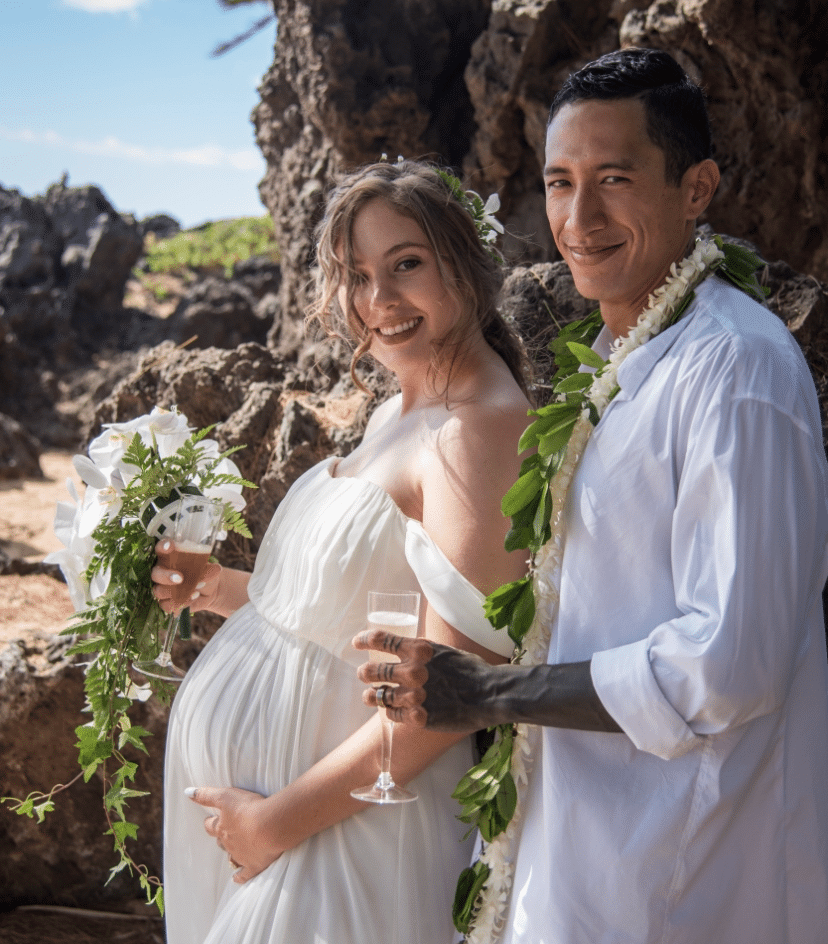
{"type": "Point", "coordinates": [400, 331]}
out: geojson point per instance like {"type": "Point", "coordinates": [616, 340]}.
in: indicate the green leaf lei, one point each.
{"type": "Point", "coordinates": [123, 625]}
{"type": "Point", "coordinates": [487, 793]}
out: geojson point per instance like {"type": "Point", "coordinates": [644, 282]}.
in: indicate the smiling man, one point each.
{"type": "Point", "coordinates": [618, 214]}
{"type": "Point", "coordinates": [677, 789]}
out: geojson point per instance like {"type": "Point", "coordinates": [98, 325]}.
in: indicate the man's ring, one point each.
{"type": "Point", "coordinates": [381, 696]}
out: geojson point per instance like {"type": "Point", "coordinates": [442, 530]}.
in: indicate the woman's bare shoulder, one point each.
{"type": "Point", "coordinates": [476, 447]}
{"type": "Point", "coordinates": [490, 421]}
{"type": "Point", "coordinates": [473, 464]}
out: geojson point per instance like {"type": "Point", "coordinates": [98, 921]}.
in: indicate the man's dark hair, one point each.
{"type": "Point", "coordinates": [677, 120]}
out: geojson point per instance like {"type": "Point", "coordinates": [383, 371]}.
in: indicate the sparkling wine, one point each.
{"type": "Point", "coordinates": [400, 624]}
{"type": "Point", "coordinates": [394, 612]}
{"type": "Point", "coordinates": [190, 560]}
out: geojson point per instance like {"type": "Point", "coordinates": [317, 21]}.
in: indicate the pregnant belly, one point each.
{"type": "Point", "coordinates": [260, 706]}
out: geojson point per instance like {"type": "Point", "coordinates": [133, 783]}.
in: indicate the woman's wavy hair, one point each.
{"type": "Point", "coordinates": [470, 273]}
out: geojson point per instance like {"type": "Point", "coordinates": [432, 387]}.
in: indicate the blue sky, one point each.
{"type": "Point", "coordinates": [124, 94]}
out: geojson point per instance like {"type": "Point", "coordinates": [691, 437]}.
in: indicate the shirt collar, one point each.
{"type": "Point", "coordinates": [638, 365]}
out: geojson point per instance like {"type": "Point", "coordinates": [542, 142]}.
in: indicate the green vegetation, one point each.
{"type": "Point", "coordinates": [214, 246]}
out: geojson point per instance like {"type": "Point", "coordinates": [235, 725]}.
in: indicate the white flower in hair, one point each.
{"type": "Point", "coordinates": [491, 207]}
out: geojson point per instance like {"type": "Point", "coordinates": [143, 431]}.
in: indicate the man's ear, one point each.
{"type": "Point", "coordinates": [701, 181]}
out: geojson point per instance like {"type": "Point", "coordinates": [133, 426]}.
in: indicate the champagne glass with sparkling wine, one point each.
{"type": "Point", "coordinates": [194, 522]}
{"type": "Point", "coordinates": [398, 613]}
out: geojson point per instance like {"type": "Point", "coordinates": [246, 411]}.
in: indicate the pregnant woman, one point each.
{"type": "Point", "coordinates": [269, 733]}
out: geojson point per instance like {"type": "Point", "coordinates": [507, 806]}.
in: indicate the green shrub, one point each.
{"type": "Point", "coordinates": [213, 246]}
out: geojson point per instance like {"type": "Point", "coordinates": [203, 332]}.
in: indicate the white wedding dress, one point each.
{"type": "Point", "coordinates": [272, 693]}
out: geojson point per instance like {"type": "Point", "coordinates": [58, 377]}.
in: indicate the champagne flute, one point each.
{"type": "Point", "coordinates": [193, 523]}
{"type": "Point", "coordinates": [397, 613]}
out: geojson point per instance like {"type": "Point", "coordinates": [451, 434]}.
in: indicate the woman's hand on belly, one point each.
{"type": "Point", "coordinates": [240, 827]}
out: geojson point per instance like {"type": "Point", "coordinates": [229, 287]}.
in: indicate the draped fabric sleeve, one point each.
{"type": "Point", "coordinates": [452, 596]}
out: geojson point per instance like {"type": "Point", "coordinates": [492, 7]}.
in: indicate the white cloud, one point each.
{"type": "Point", "coordinates": [105, 6]}
{"type": "Point", "coordinates": [208, 155]}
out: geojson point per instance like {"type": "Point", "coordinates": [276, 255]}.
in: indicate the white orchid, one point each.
{"type": "Point", "coordinates": [74, 558]}
{"type": "Point", "coordinates": [79, 547]}
{"type": "Point", "coordinates": [491, 207]}
{"type": "Point", "coordinates": [106, 476]}
{"type": "Point", "coordinates": [166, 430]}
{"type": "Point", "coordinates": [102, 500]}
{"type": "Point", "coordinates": [483, 214]}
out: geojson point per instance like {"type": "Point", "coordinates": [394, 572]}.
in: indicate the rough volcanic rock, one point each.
{"type": "Point", "coordinates": [350, 82]}
{"type": "Point", "coordinates": [260, 275]}
{"type": "Point", "coordinates": [100, 246]}
{"type": "Point", "coordinates": [64, 260]}
{"type": "Point", "coordinates": [344, 88]}
{"type": "Point", "coordinates": [765, 76]}
{"type": "Point", "coordinates": [514, 69]}
{"type": "Point", "coordinates": [19, 451]}
{"type": "Point", "coordinates": [15, 566]}
{"type": "Point", "coordinates": [801, 301]}
{"type": "Point", "coordinates": [161, 225]}
{"type": "Point", "coordinates": [216, 312]}
{"type": "Point", "coordinates": [29, 246]}
{"type": "Point", "coordinates": [539, 300]}
{"type": "Point", "coordinates": [66, 859]}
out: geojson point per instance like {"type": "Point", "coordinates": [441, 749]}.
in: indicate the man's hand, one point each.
{"type": "Point", "coordinates": [437, 687]}
{"type": "Point", "coordinates": [444, 689]}
{"type": "Point", "coordinates": [239, 828]}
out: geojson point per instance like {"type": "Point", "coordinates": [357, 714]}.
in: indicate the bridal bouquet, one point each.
{"type": "Point", "coordinates": [134, 471]}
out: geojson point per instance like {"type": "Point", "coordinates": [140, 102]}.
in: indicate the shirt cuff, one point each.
{"type": "Point", "coordinates": [625, 683]}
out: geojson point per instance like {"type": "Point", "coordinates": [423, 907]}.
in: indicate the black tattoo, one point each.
{"type": "Point", "coordinates": [463, 692]}
{"type": "Point", "coordinates": [392, 643]}
{"type": "Point", "coordinates": [386, 671]}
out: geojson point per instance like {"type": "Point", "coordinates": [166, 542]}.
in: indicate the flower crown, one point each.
{"type": "Point", "coordinates": [487, 225]}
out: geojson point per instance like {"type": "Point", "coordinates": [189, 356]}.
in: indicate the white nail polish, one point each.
{"type": "Point", "coordinates": [201, 586]}
{"type": "Point", "coordinates": [190, 792]}
{"type": "Point", "coordinates": [176, 578]}
{"type": "Point", "coordinates": [194, 596]}
{"type": "Point", "coordinates": [166, 546]}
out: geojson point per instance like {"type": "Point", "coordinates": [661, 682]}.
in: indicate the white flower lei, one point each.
{"type": "Point", "coordinates": [498, 855]}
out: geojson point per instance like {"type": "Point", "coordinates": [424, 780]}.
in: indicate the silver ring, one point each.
{"type": "Point", "coordinates": [381, 696]}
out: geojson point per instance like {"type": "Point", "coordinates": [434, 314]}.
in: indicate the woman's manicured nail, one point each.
{"type": "Point", "coordinates": [190, 792]}
{"type": "Point", "coordinates": [166, 546]}
{"type": "Point", "coordinates": [176, 578]}
{"type": "Point", "coordinates": [195, 596]}
{"type": "Point", "coordinates": [201, 586]}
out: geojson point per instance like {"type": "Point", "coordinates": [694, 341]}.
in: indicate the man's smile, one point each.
{"type": "Point", "coordinates": [592, 255]}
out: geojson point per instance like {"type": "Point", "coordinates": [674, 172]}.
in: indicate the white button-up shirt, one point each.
{"type": "Point", "coordinates": [692, 574]}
